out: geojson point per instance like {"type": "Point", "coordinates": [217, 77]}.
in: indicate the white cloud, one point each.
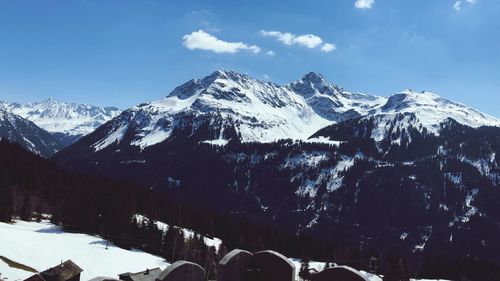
{"type": "Point", "coordinates": [285, 37]}
{"type": "Point", "coordinates": [307, 40]}
{"type": "Point", "coordinates": [202, 40]}
{"type": "Point", "coordinates": [310, 41]}
{"type": "Point", "coordinates": [328, 47]}
{"type": "Point", "coordinates": [364, 4]}
{"type": "Point", "coordinates": [270, 53]}
{"type": "Point", "coordinates": [458, 4]}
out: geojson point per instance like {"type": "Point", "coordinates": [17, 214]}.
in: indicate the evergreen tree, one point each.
{"type": "Point", "coordinates": [26, 208]}
{"type": "Point", "coordinates": [304, 270]}
{"type": "Point", "coordinates": [395, 269]}
{"type": "Point", "coordinates": [6, 203]}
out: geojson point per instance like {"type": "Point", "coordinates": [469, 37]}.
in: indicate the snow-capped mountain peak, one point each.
{"type": "Point", "coordinates": [215, 81]}
{"type": "Point", "coordinates": [68, 120]}
{"type": "Point", "coordinates": [332, 102]}
{"type": "Point", "coordinates": [431, 110]}
{"type": "Point", "coordinates": [258, 111]}
{"type": "Point", "coordinates": [254, 110]}
{"type": "Point", "coordinates": [313, 84]}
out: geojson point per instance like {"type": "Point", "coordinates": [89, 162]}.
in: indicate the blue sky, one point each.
{"type": "Point", "coordinates": [126, 52]}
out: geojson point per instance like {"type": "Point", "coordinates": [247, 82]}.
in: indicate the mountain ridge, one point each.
{"type": "Point", "coordinates": [67, 122]}
{"type": "Point", "coordinates": [16, 129]}
{"type": "Point", "coordinates": [262, 111]}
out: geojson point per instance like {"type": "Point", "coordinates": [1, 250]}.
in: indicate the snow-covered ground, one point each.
{"type": "Point", "coordinates": [44, 245]}
{"type": "Point", "coordinates": [319, 266]}
{"type": "Point", "coordinates": [188, 233]}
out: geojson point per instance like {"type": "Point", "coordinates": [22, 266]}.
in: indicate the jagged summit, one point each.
{"type": "Point", "coordinates": [308, 84]}
{"type": "Point", "coordinates": [215, 79]}
{"type": "Point", "coordinates": [314, 83]}
{"type": "Point", "coordinates": [315, 78]}
{"type": "Point", "coordinates": [230, 74]}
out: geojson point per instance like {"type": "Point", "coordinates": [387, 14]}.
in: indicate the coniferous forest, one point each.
{"type": "Point", "coordinates": [31, 185]}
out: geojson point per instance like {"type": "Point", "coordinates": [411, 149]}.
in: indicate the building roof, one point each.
{"type": "Point", "coordinates": [229, 256]}
{"type": "Point", "coordinates": [179, 264]}
{"type": "Point", "coordinates": [340, 273]}
{"type": "Point", "coordinates": [146, 275]}
{"type": "Point", "coordinates": [35, 277]}
{"type": "Point", "coordinates": [62, 272]}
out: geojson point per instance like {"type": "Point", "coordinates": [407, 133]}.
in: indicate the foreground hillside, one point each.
{"type": "Point", "coordinates": [38, 246]}
{"type": "Point", "coordinates": [30, 184]}
{"type": "Point", "coordinates": [44, 245]}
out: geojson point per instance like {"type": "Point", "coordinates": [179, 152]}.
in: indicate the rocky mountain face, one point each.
{"type": "Point", "coordinates": [413, 173]}
{"type": "Point", "coordinates": [19, 130]}
{"type": "Point", "coordinates": [67, 122]}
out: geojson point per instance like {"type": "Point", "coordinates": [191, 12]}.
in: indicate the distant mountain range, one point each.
{"type": "Point", "coordinates": [413, 172]}
{"type": "Point", "coordinates": [63, 123]}
{"type": "Point", "coordinates": [66, 121]}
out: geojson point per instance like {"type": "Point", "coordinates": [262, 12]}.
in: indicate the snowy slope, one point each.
{"type": "Point", "coordinates": [319, 266]}
{"type": "Point", "coordinates": [431, 110]}
{"type": "Point", "coordinates": [69, 119]}
{"type": "Point", "coordinates": [404, 114]}
{"type": "Point", "coordinates": [333, 103]}
{"type": "Point", "coordinates": [188, 233]}
{"type": "Point", "coordinates": [43, 245]}
{"type": "Point", "coordinates": [260, 111]}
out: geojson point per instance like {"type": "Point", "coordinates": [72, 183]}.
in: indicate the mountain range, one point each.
{"type": "Point", "coordinates": [258, 111]}
{"type": "Point", "coordinates": [63, 123]}
{"type": "Point", "coordinates": [261, 111]}
{"type": "Point", "coordinates": [413, 172]}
